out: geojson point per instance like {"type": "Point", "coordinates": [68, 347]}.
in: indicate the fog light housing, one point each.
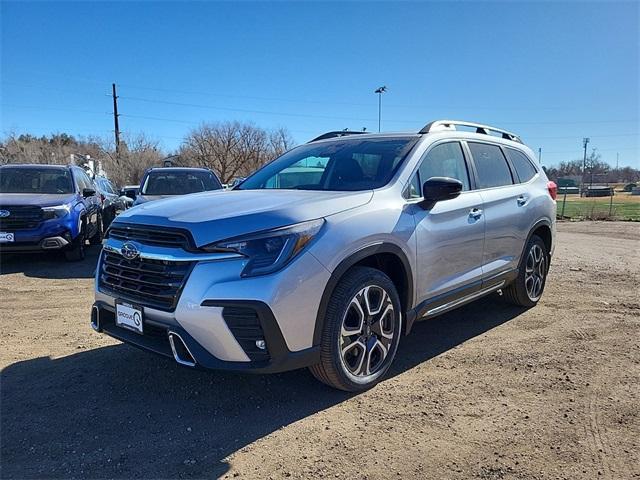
{"type": "Point", "coordinates": [261, 344]}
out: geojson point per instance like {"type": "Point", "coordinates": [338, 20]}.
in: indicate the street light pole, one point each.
{"type": "Point", "coordinates": [380, 91]}
{"type": "Point", "coordinates": [585, 142]}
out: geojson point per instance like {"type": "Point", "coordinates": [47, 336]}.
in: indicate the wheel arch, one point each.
{"type": "Point", "coordinates": [386, 257]}
{"type": "Point", "coordinates": [541, 228]}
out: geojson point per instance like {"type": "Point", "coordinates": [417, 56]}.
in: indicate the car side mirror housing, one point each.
{"type": "Point", "coordinates": [88, 192]}
{"type": "Point", "coordinates": [130, 194]}
{"type": "Point", "coordinates": [438, 189]}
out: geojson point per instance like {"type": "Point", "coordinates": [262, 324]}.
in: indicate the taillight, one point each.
{"type": "Point", "coordinates": [553, 189]}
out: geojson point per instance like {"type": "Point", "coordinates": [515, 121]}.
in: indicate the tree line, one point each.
{"type": "Point", "coordinates": [593, 169]}
{"type": "Point", "coordinates": [230, 149]}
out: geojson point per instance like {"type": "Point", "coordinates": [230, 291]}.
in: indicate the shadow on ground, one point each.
{"type": "Point", "coordinates": [50, 264]}
{"type": "Point", "coordinates": [116, 412]}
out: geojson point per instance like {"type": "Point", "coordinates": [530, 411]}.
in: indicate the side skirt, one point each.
{"type": "Point", "coordinates": [446, 302]}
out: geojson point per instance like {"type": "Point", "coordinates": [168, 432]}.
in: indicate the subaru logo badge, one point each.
{"type": "Point", "coordinates": [4, 213]}
{"type": "Point", "coordinates": [130, 251]}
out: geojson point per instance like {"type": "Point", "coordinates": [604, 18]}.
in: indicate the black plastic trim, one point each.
{"type": "Point", "coordinates": [349, 262]}
{"type": "Point", "coordinates": [420, 311]}
{"type": "Point", "coordinates": [282, 358]}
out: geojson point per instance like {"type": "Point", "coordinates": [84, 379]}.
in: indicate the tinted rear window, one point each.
{"type": "Point", "coordinates": [492, 167]}
{"type": "Point", "coordinates": [524, 168]}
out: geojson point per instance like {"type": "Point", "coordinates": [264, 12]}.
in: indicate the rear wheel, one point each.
{"type": "Point", "coordinates": [361, 331]}
{"type": "Point", "coordinates": [97, 236]}
{"type": "Point", "coordinates": [526, 290]}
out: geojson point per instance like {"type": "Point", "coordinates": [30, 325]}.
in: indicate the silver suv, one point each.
{"type": "Point", "coordinates": [324, 257]}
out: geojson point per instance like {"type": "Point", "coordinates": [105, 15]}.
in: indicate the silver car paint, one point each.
{"type": "Point", "coordinates": [445, 247]}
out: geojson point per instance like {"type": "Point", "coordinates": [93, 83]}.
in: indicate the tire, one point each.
{"type": "Point", "coordinates": [365, 311]}
{"type": "Point", "coordinates": [526, 290]}
{"type": "Point", "coordinates": [76, 252]}
{"type": "Point", "coordinates": [107, 218]}
{"type": "Point", "coordinates": [97, 237]}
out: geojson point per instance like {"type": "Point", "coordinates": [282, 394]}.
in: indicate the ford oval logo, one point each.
{"type": "Point", "coordinates": [130, 250]}
{"type": "Point", "coordinates": [4, 213]}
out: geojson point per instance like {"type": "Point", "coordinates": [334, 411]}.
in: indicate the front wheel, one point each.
{"type": "Point", "coordinates": [76, 253]}
{"type": "Point", "coordinates": [526, 290]}
{"type": "Point", "coordinates": [361, 332]}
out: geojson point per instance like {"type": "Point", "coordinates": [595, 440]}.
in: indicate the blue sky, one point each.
{"type": "Point", "coordinates": [552, 72]}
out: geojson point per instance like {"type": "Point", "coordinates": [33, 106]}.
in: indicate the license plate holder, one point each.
{"type": "Point", "coordinates": [130, 316]}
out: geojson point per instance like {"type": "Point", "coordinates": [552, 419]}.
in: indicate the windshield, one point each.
{"type": "Point", "coordinates": [179, 182]}
{"type": "Point", "coordinates": [35, 180]}
{"type": "Point", "coordinates": [344, 165]}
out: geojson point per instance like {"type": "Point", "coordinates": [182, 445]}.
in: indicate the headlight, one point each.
{"type": "Point", "coordinates": [58, 211]}
{"type": "Point", "coordinates": [272, 250]}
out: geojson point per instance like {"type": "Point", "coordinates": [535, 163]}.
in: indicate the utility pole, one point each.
{"type": "Point", "coordinates": [585, 142]}
{"type": "Point", "coordinates": [380, 91]}
{"type": "Point", "coordinates": [617, 160]}
{"type": "Point", "coordinates": [115, 118]}
{"type": "Point", "coordinates": [540, 155]}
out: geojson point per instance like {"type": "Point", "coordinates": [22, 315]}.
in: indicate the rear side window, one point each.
{"type": "Point", "coordinates": [491, 166]}
{"type": "Point", "coordinates": [445, 160]}
{"type": "Point", "coordinates": [524, 168]}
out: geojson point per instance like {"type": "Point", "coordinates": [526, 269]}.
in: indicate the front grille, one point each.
{"type": "Point", "coordinates": [21, 217]}
{"type": "Point", "coordinates": [147, 235]}
{"type": "Point", "coordinates": [245, 325]}
{"type": "Point", "coordinates": [152, 283]}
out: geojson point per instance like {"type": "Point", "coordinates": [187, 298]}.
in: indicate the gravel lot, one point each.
{"type": "Point", "coordinates": [489, 391]}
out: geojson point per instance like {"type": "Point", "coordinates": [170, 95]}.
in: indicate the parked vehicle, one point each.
{"type": "Point", "coordinates": [48, 207]}
{"type": "Point", "coordinates": [166, 182]}
{"type": "Point", "coordinates": [329, 273]}
{"type": "Point", "coordinates": [111, 202]}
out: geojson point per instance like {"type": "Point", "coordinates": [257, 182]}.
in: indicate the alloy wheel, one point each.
{"type": "Point", "coordinates": [367, 331]}
{"type": "Point", "coordinates": [535, 271]}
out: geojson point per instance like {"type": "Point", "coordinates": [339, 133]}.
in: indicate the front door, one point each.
{"type": "Point", "coordinates": [450, 235]}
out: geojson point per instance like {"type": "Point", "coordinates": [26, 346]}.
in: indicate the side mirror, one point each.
{"type": "Point", "coordinates": [130, 194]}
{"type": "Point", "coordinates": [437, 189]}
{"type": "Point", "coordinates": [88, 192]}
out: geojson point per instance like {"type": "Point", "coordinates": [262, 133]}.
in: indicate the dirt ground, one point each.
{"type": "Point", "coordinates": [489, 391]}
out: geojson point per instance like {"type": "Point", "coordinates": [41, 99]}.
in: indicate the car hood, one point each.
{"type": "Point", "coordinates": [218, 215]}
{"type": "Point", "coordinates": [38, 199]}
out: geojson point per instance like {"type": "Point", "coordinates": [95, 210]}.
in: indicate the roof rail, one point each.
{"type": "Point", "coordinates": [440, 125]}
{"type": "Point", "coordinates": [337, 133]}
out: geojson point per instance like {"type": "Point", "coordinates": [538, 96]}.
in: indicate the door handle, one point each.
{"type": "Point", "coordinates": [475, 213]}
{"type": "Point", "coordinates": [521, 200]}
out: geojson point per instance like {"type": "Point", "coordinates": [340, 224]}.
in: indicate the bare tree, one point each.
{"type": "Point", "coordinates": [233, 149]}
{"type": "Point", "coordinates": [136, 154]}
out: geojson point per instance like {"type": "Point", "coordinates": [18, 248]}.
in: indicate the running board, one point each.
{"type": "Point", "coordinates": [462, 300]}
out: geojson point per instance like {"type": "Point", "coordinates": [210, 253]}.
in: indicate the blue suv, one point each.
{"type": "Point", "coordinates": [48, 207]}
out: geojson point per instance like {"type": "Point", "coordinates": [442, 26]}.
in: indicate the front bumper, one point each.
{"type": "Point", "coordinates": [209, 317]}
{"type": "Point", "coordinates": [157, 339]}
{"type": "Point", "coordinates": [53, 234]}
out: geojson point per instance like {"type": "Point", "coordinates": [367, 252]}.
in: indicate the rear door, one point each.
{"type": "Point", "coordinates": [450, 235]}
{"type": "Point", "coordinates": [504, 200]}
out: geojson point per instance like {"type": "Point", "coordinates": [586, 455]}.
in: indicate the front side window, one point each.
{"type": "Point", "coordinates": [445, 160]}
{"type": "Point", "coordinates": [35, 180]}
{"type": "Point", "coordinates": [491, 166]}
{"type": "Point", "coordinates": [524, 168]}
{"type": "Point", "coordinates": [179, 182]}
{"type": "Point", "coordinates": [341, 165]}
